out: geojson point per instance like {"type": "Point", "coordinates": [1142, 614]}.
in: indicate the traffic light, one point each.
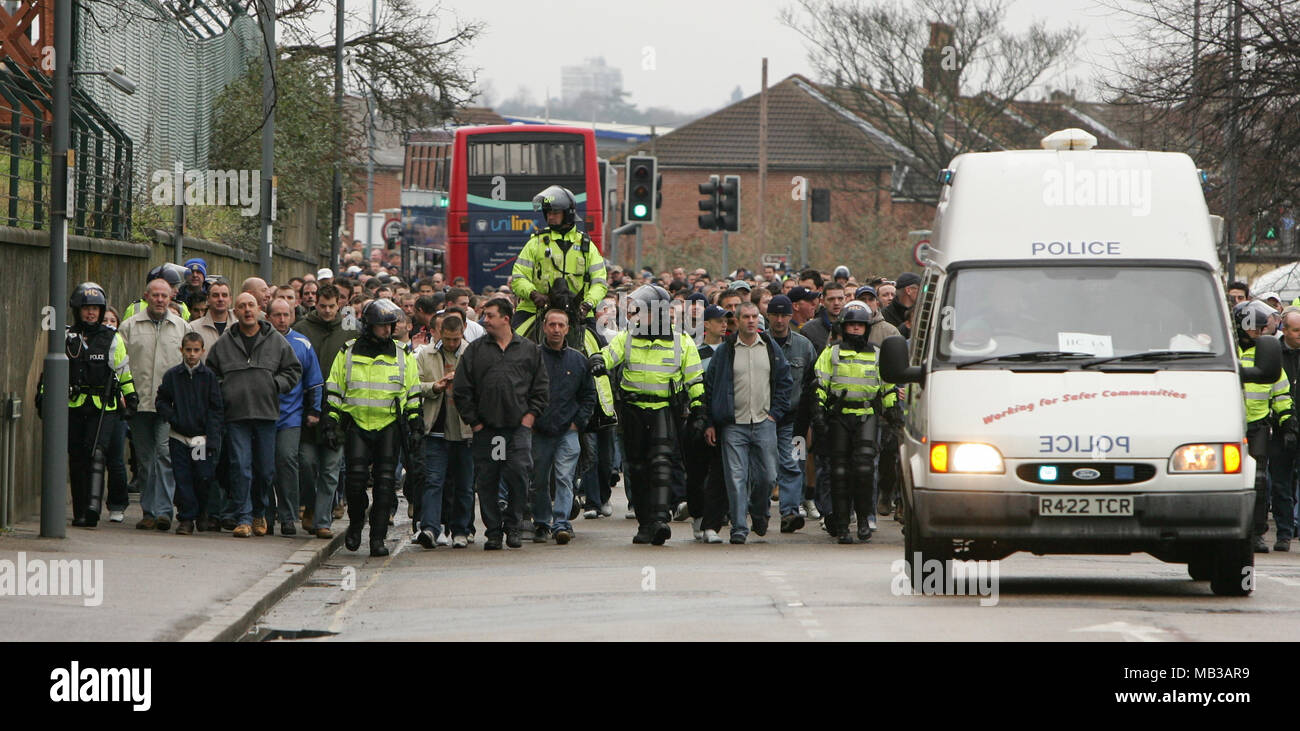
{"type": "Point", "coordinates": [821, 204]}
{"type": "Point", "coordinates": [642, 184]}
{"type": "Point", "coordinates": [709, 204]}
{"type": "Point", "coordinates": [729, 204]}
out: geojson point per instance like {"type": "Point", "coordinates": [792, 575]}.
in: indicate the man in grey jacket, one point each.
{"type": "Point", "coordinates": [791, 456]}
{"type": "Point", "coordinates": [255, 364]}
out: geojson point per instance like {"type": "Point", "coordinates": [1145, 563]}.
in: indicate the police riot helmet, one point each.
{"type": "Point", "coordinates": [855, 312]}
{"type": "Point", "coordinates": [173, 273]}
{"type": "Point", "coordinates": [1251, 315]}
{"type": "Point", "coordinates": [88, 294]}
{"type": "Point", "coordinates": [841, 272]}
{"type": "Point", "coordinates": [380, 312]}
{"type": "Point", "coordinates": [654, 301]}
{"type": "Point", "coordinates": [557, 198]}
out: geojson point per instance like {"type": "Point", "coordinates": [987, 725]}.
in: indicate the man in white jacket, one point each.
{"type": "Point", "coordinates": [153, 344]}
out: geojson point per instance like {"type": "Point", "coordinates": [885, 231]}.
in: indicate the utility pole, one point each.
{"type": "Point", "coordinates": [268, 139]}
{"type": "Point", "coordinates": [1234, 143]}
{"type": "Point", "coordinates": [336, 219]}
{"type": "Point", "coordinates": [725, 268]}
{"type": "Point", "coordinates": [803, 221]}
{"type": "Point", "coordinates": [54, 457]}
{"type": "Point", "coordinates": [370, 155]}
{"type": "Point", "coordinates": [762, 162]}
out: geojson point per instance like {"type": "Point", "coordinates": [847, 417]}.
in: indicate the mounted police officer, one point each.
{"type": "Point", "coordinates": [99, 371]}
{"type": "Point", "coordinates": [373, 398]}
{"type": "Point", "coordinates": [1268, 408]}
{"type": "Point", "coordinates": [558, 259]}
{"type": "Point", "coordinates": [662, 379]}
{"type": "Point", "coordinates": [850, 399]}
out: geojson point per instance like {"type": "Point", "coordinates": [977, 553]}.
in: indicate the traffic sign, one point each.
{"type": "Point", "coordinates": [393, 229]}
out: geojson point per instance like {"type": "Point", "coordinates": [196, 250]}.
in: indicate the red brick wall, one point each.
{"type": "Point", "coordinates": [388, 194]}
{"type": "Point", "coordinates": [867, 231]}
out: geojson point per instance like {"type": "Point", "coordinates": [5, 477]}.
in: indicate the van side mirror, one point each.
{"type": "Point", "coordinates": [1268, 362]}
{"type": "Point", "coordinates": [894, 366]}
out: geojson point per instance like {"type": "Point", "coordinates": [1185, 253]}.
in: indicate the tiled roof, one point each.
{"type": "Point", "coordinates": [803, 132]}
{"type": "Point", "coordinates": [477, 115]}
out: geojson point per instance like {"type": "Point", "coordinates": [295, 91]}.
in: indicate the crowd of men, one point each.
{"type": "Point", "coordinates": [707, 398]}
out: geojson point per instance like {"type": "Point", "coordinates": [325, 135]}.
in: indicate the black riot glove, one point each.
{"type": "Point", "coordinates": [699, 420]}
{"type": "Point", "coordinates": [132, 402]}
{"type": "Point", "coordinates": [597, 364]}
{"type": "Point", "coordinates": [538, 299]}
{"type": "Point", "coordinates": [894, 417]}
{"type": "Point", "coordinates": [329, 431]}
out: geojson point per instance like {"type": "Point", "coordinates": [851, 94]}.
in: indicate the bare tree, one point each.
{"type": "Point", "coordinates": [938, 90]}
{"type": "Point", "coordinates": [412, 62]}
{"type": "Point", "coordinates": [1220, 80]}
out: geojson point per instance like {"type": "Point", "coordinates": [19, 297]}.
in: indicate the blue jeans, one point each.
{"type": "Point", "coordinates": [447, 462]}
{"type": "Point", "coordinates": [149, 436]}
{"type": "Point", "coordinates": [287, 441]}
{"type": "Point", "coordinates": [318, 479]}
{"type": "Point", "coordinates": [252, 462]}
{"type": "Point", "coordinates": [790, 470]}
{"type": "Point", "coordinates": [749, 466]}
{"type": "Point", "coordinates": [558, 454]}
{"type": "Point", "coordinates": [1282, 475]}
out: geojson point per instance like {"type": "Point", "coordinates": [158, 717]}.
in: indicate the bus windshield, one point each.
{"type": "Point", "coordinates": [1079, 316]}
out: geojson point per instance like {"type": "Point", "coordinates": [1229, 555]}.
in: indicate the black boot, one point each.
{"type": "Point", "coordinates": [377, 547]}
{"type": "Point", "coordinates": [352, 539]}
{"type": "Point", "coordinates": [660, 533]}
{"type": "Point", "coordinates": [644, 534]}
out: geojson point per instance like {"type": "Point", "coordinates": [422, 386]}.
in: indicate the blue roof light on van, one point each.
{"type": "Point", "coordinates": [945, 176]}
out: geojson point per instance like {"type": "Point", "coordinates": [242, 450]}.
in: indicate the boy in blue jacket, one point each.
{"type": "Point", "coordinates": [189, 399]}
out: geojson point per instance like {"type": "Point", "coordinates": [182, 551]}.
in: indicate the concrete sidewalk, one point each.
{"type": "Point", "coordinates": [156, 585]}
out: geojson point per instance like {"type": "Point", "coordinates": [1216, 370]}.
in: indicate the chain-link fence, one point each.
{"type": "Point", "coordinates": [180, 56]}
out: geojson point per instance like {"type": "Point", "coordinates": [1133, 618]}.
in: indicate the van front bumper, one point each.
{"type": "Point", "coordinates": [1012, 517]}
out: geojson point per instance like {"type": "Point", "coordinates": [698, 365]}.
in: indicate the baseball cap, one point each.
{"type": "Point", "coordinates": [739, 284]}
{"type": "Point", "coordinates": [780, 305]}
{"type": "Point", "coordinates": [354, 269]}
{"type": "Point", "coordinates": [907, 279]}
{"type": "Point", "coordinates": [861, 291]}
{"type": "Point", "coordinates": [1269, 296]}
{"type": "Point", "coordinates": [713, 312]}
{"type": "Point", "coordinates": [696, 297]}
{"type": "Point", "coordinates": [800, 294]}
{"type": "Point", "coordinates": [325, 273]}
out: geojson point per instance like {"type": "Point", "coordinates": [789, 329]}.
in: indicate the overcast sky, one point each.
{"type": "Point", "coordinates": [526, 42]}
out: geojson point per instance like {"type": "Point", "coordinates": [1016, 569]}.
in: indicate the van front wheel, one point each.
{"type": "Point", "coordinates": [927, 564]}
{"type": "Point", "coordinates": [1233, 569]}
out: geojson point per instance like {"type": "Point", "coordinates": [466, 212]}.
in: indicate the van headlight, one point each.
{"type": "Point", "coordinates": [970, 457]}
{"type": "Point", "coordinates": [1207, 458]}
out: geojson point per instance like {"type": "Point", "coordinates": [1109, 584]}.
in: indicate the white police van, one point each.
{"type": "Point", "coordinates": [1074, 380]}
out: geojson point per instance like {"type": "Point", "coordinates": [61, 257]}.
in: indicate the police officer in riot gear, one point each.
{"type": "Point", "coordinates": [373, 396]}
{"type": "Point", "coordinates": [555, 259]}
{"type": "Point", "coordinates": [850, 399]}
{"type": "Point", "coordinates": [662, 379]}
{"type": "Point", "coordinates": [1269, 411]}
{"type": "Point", "coordinates": [99, 371]}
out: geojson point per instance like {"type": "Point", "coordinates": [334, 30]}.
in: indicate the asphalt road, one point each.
{"type": "Point", "coordinates": [799, 587]}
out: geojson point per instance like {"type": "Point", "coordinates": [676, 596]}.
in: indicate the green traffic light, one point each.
{"type": "Point", "coordinates": [639, 210]}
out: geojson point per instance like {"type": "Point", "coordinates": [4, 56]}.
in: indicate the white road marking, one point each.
{"type": "Point", "coordinates": [1130, 632]}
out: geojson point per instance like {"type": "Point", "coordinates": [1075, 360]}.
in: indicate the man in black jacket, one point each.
{"type": "Point", "coordinates": [500, 389]}
{"type": "Point", "coordinates": [899, 312]}
{"type": "Point", "coordinates": [189, 399]}
{"type": "Point", "coordinates": [1282, 461]}
{"type": "Point", "coordinates": [555, 435]}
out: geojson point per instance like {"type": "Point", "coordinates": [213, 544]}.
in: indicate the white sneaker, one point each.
{"type": "Point", "coordinates": [711, 536]}
{"type": "Point", "coordinates": [470, 538]}
{"type": "Point", "coordinates": [802, 512]}
{"type": "Point", "coordinates": [606, 510]}
{"type": "Point", "coordinates": [682, 512]}
{"type": "Point", "coordinates": [630, 515]}
{"type": "Point", "coordinates": [591, 515]}
{"type": "Point", "coordinates": [871, 522]}
{"type": "Point", "coordinates": [810, 507]}
{"type": "Point", "coordinates": [459, 542]}
{"type": "Point", "coordinates": [116, 516]}
{"type": "Point", "coordinates": [444, 539]}
{"type": "Point", "coordinates": [698, 526]}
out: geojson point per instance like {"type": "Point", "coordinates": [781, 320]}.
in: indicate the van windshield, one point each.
{"type": "Point", "coordinates": [1080, 316]}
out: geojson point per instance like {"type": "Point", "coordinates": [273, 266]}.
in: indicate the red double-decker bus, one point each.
{"type": "Point", "coordinates": [495, 172]}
